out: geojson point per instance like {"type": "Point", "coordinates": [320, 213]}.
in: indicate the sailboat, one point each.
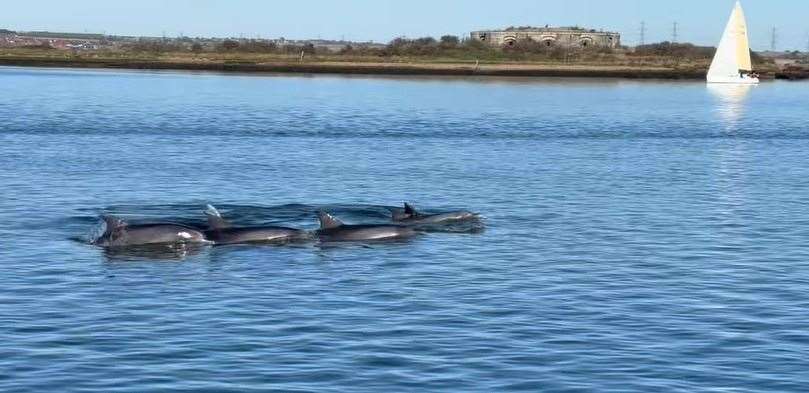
{"type": "Point", "coordinates": [732, 64]}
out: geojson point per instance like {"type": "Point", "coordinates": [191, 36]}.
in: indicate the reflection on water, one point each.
{"type": "Point", "coordinates": [731, 102]}
{"type": "Point", "coordinates": [731, 180]}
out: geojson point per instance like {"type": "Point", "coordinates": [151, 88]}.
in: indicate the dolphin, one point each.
{"type": "Point", "coordinates": [410, 216]}
{"type": "Point", "coordinates": [118, 233]}
{"type": "Point", "coordinates": [221, 232]}
{"type": "Point", "coordinates": [333, 230]}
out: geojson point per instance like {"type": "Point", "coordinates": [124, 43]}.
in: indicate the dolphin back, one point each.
{"type": "Point", "coordinates": [158, 234]}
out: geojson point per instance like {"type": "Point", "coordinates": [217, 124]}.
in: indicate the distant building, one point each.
{"type": "Point", "coordinates": [549, 36]}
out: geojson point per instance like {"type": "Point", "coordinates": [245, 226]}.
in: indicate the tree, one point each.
{"type": "Point", "coordinates": [196, 48]}
{"type": "Point", "coordinates": [348, 49]}
{"type": "Point", "coordinates": [473, 44]}
{"type": "Point", "coordinates": [425, 41]}
{"type": "Point", "coordinates": [230, 45]}
{"type": "Point", "coordinates": [450, 41]}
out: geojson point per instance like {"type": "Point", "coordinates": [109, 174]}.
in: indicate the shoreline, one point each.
{"type": "Point", "coordinates": [364, 68]}
{"type": "Point", "coordinates": [392, 69]}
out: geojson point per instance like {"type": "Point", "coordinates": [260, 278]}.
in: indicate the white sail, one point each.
{"type": "Point", "coordinates": [742, 41]}
{"type": "Point", "coordinates": [733, 54]}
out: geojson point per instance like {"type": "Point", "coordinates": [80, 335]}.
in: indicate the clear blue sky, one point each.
{"type": "Point", "coordinates": [700, 21]}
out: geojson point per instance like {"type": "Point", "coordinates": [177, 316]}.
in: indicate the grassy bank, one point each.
{"type": "Point", "coordinates": [618, 65]}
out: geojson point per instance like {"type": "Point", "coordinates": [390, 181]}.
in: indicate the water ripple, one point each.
{"type": "Point", "coordinates": [641, 236]}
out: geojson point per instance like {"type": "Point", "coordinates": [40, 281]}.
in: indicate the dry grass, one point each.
{"type": "Point", "coordinates": [618, 64]}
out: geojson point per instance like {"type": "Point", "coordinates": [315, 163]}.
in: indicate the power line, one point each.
{"type": "Point", "coordinates": [807, 42]}
{"type": "Point", "coordinates": [642, 33]}
{"type": "Point", "coordinates": [674, 35]}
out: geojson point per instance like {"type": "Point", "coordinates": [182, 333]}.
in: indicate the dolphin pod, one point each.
{"type": "Point", "coordinates": [120, 234]}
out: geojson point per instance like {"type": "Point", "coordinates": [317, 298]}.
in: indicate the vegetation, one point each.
{"type": "Point", "coordinates": [153, 46]}
{"type": "Point", "coordinates": [41, 46]}
{"type": "Point", "coordinates": [448, 48]}
{"type": "Point", "coordinates": [677, 50]}
{"type": "Point", "coordinates": [446, 51]}
{"type": "Point", "coordinates": [801, 57]}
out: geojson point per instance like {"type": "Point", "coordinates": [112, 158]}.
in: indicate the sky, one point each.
{"type": "Point", "coordinates": [699, 21]}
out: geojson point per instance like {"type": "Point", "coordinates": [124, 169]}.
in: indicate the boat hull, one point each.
{"type": "Point", "coordinates": [734, 81]}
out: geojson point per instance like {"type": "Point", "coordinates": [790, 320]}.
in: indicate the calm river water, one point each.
{"type": "Point", "coordinates": [640, 236]}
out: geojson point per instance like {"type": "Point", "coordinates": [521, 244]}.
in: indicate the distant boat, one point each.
{"type": "Point", "coordinates": [732, 64]}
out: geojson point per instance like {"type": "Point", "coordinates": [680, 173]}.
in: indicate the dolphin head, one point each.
{"type": "Point", "coordinates": [113, 227]}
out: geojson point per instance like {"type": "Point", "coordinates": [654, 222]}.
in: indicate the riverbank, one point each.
{"type": "Point", "coordinates": [363, 67]}
{"type": "Point", "coordinates": [650, 69]}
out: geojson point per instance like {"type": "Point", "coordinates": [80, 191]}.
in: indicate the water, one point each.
{"type": "Point", "coordinates": [640, 236]}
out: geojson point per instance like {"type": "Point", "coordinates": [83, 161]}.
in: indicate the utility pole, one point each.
{"type": "Point", "coordinates": [674, 34]}
{"type": "Point", "coordinates": [807, 43]}
{"type": "Point", "coordinates": [774, 39]}
{"type": "Point", "coordinates": [642, 33]}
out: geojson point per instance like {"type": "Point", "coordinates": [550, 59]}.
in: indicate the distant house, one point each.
{"type": "Point", "coordinates": [549, 36]}
{"type": "Point", "coordinates": [74, 41]}
{"type": "Point", "coordinates": [6, 37]}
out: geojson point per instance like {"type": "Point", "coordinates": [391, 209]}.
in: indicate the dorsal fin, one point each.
{"type": "Point", "coordinates": [410, 210]}
{"type": "Point", "coordinates": [327, 221]}
{"type": "Point", "coordinates": [215, 219]}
